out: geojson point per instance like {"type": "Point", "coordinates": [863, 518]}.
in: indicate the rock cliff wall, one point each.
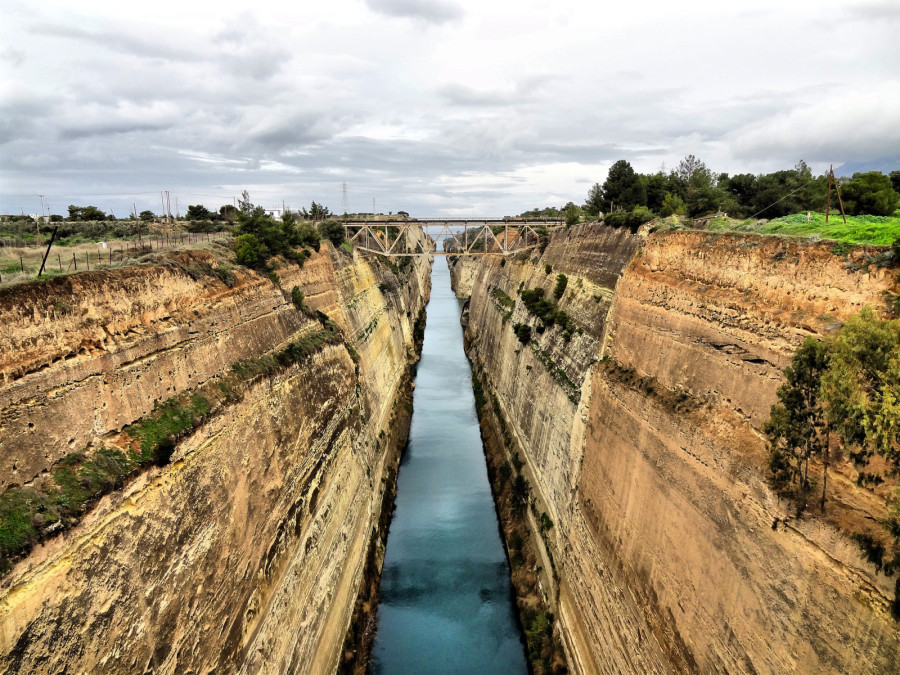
{"type": "Point", "coordinates": [641, 437]}
{"type": "Point", "coordinates": [245, 552]}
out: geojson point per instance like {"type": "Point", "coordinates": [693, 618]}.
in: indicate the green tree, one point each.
{"type": "Point", "coordinates": [147, 216]}
{"type": "Point", "coordinates": [198, 212]}
{"type": "Point", "coordinates": [245, 206]}
{"type": "Point", "coordinates": [316, 212]}
{"type": "Point", "coordinates": [593, 205]}
{"type": "Point", "coordinates": [656, 188]}
{"type": "Point", "coordinates": [696, 184]}
{"type": "Point", "coordinates": [862, 387]}
{"type": "Point", "coordinates": [623, 188]}
{"type": "Point", "coordinates": [228, 213]}
{"type": "Point", "coordinates": [573, 214]}
{"type": "Point", "coordinates": [796, 426]}
{"type": "Point", "coordinates": [561, 282]}
{"type": "Point", "coordinates": [333, 231]}
{"type": "Point", "coordinates": [672, 205]}
{"type": "Point", "coordinates": [870, 193]}
{"type": "Point", "coordinates": [85, 213]}
{"type": "Point", "coordinates": [249, 251]}
{"type": "Point", "coordinates": [743, 188]}
{"type": "Point", "coordinates": [895, 180]}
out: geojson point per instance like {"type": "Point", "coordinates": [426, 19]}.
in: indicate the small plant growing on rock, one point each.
{"type": "Point", "coordinates": [561, 282]}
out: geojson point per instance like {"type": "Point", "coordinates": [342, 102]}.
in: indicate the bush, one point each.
{"type": "Point", "coordinates": [523, 332]}
{"type": "Point", "coordinates": [561, 282]}
{"type": "Point", "coordinates": [297, 297]}
{"type": "Point", "coordinates": [250, 252]}
{"type": "Point", "coordinates": [333, 231]}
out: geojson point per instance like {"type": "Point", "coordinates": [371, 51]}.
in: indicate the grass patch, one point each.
{"type": "Point", "coordinates": [296, 352]}
{"type": "Point", "coordinates": [168, 421]}
{"type": "Point", "coordinates": [678, 401]}
{"type": "Point", "coordinates": [29, 515]}
{"type": "Point", "coordinates": [558, 374]}
{"type": "Point", "coordinates": [875, 230]}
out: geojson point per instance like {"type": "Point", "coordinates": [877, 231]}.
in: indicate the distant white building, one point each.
{"type": "Point", "coordinates": [274, 213]}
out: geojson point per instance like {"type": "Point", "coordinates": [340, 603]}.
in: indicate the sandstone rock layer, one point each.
{"type": "Point", "coordinates": [641, 437]}
{"type": "Point", "coordinates": [246, 552]}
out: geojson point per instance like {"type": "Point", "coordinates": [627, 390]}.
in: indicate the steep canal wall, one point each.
{"type": "Point", "coordinates": [196, 460]}
{"type": "Point", "coordinates": [635, 418]}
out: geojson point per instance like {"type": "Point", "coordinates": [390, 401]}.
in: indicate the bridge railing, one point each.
{"type": "Point", "coordinates": [468, 236]}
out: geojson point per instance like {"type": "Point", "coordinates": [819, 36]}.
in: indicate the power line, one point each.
{"type": "Point", "coordinates": [783, 198]}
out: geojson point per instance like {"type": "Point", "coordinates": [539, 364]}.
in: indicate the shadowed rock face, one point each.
{"type": "Point", "coordinates": [245, 553]}
{"type": "Point", "coordinates": [654, 470]}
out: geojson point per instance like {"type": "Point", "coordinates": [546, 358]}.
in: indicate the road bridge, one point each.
{"type": "Point", "coordinates": [458, 236]}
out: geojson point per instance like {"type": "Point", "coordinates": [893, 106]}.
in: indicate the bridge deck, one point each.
{"type": "Point", "coordinates": [472, 236]}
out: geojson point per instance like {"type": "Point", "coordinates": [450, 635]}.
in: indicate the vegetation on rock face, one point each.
{"type": "Point", "coordinates": [561, 281]}
{"type": "Point", "coordinates": [523, 332]}
{"type": "Point", "coordinates": [29, 515]}
{"type": "Point", "coordinates": [168, 421]}
{"type": "Point", "coordinates": [842, 395]}
{"type": "Point", "coordinates": [796, 428]}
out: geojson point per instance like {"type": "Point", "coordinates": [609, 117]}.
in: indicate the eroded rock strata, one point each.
{"type": "Point", "coordinates": [640, 433]}
{"type": "Point", "coordinates": [246, 551]}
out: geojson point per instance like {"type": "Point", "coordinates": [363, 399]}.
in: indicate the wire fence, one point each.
{"type": "Point", "coordinates": [23, 263]}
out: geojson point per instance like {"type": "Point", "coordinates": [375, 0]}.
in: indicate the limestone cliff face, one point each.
{"type": "Point", "coordinates": [245, 553]}
{"type": "Point", "coordinates": [642, 440]}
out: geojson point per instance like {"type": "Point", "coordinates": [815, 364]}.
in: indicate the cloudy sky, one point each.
{"type": "Point", "coordinates": [437, 107]}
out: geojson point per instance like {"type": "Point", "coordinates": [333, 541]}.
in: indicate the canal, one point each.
{"type": "Point", "coordinates": [446, 601]}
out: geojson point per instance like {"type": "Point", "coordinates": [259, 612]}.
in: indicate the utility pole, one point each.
{"type": "Point", "coordinates": [162, 201]}
{"type": "Point", "coordinates": [345, 205]}
{"type": "Point", "coordinates": [177, 210]}
{"type": "Point", "coordinates": [833, 181]}
{"type": "Point", "coordinates": [38, 225]}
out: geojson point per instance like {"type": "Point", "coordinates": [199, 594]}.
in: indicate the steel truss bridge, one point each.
{"type": "Point", "coordinates": [469, 236]}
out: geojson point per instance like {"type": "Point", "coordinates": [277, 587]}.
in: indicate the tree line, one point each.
{"type": "Point", "coordinates": [629, 198]}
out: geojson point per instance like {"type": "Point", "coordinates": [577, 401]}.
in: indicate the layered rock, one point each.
{"type": "Point", "coordinates": [642, 441]}
{"type": "Point", "coordinates": [245, 553]}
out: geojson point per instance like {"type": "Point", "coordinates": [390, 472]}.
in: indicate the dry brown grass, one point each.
{"type": "Point", "coordinates": [91, 255]}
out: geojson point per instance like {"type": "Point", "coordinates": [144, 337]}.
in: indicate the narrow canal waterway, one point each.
{"type": "Point", "coordinates": [446, 600]}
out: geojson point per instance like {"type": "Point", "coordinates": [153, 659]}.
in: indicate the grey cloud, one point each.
{"type": "Point", "coordinates": [886, 10]}
{"type": "Point", "coordinates": [460, 94]}
{"type": "Point", "coordinates": [431, 11]}
{"type": "Point", "coordinates": [118, 42]}
{"type": "Point", "coordinates": [524, 90]}
{"type": "Point", "coordinates": [292, 131]}
{"type": "Point", "coordinates": [109, 129]}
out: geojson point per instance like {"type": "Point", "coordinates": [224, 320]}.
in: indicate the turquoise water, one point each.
{"type": "Point", "coordinates": [446, 600]}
